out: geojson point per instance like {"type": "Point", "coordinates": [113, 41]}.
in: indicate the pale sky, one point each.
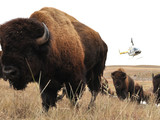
{"type": "Point", "coordinates": [115, 20]}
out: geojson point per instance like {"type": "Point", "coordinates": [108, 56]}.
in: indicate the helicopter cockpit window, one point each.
{"type": "Point", "coordinates": [135, 49]}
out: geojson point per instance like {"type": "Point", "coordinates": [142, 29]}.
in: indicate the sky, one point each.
{"type": "Point", "coordinates": [117, 21]}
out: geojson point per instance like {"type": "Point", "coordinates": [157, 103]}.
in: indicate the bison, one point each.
{"type": "Point", "coordinates": [56, 49]}
{"type": "Point", "coordinates": [141, 95]}
{"type": "Point", "coordinates": [138, 93]}
{"type": "Point", "coordinates": [126, 87]}
{"type": "Point", "coordinates": [146, 96]}
{"type": "Point", "coordinates": [123, 84]}
{"type": "Point", "coordinates": [156, 86]}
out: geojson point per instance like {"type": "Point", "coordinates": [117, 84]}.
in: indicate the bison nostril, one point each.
{"type": "Point", "coordinates": [9, 71]}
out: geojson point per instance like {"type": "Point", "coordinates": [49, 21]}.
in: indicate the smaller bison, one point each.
{"type": "Point", "coordinates": [146, 96]}
{"type": "Point", "coordinates": [138, 92]}
{"type": "Point", "coordinates": [156, 86]}
{"type": "Point", "coordinates": [126, 87]}
{"type": "Point", "coordinates": [123, 84]}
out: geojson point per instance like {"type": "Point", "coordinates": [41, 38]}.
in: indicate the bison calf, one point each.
{"type": "Point", "coordinates": [146, 96]}
{"type": "Point", "coordinates": [138, 93]}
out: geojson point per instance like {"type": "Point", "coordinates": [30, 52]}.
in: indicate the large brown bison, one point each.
{"type": "Point", "coordinates": [156, 86]}
{"type": "Point", "coordinates": [126, 87]}
{"type": "Point", "coordinates": [58, 49]}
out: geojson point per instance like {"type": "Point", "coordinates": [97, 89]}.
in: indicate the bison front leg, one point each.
{"type": "Point", "coordinates": [74, 91]}
{"type": "Point", "coordinates": [48, 96]}
{"type": "Point", "coordinates": [94, 84]}
{"type": "Point", "coordinates": [93, 98]}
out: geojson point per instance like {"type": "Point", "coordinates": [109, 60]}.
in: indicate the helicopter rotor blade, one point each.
{"type": "Point", "coordinates": [132, 42]}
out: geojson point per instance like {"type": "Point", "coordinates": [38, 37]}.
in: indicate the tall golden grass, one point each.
{"type": "Point", "coordinates": [26, 105]}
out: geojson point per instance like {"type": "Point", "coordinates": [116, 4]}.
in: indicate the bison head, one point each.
{"type": "Point", "coordinates": [23, 43]}
{"type": "Point", "coordinates": [118, 79]}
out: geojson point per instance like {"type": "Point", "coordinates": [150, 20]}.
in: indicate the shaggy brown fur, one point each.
{"type": "Point", "coordinates": [74, 55]}
{"type": "Point", "coordinates": [156, 86]}
{"type": "Point", "coordinates": [121, 69]}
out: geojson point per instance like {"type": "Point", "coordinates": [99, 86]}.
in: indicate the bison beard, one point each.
{"type": "Point", "coordinates": [57, 45]}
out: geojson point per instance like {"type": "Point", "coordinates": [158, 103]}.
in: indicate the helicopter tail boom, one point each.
{"type": "Point", "coordinates": [123, 52]}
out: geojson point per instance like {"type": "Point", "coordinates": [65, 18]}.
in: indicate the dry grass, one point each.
{"type": "Point", "coordinates": [26, 105]}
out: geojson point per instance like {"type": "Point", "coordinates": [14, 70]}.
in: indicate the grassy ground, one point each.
{"type": "Point", "coordinates": [26, 105]}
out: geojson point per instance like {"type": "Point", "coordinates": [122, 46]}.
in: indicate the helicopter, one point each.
{"type": "Point", "coordinates": [132, 51]}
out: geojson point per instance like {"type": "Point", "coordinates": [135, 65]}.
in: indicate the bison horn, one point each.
{"type": "Point", "coordinates": [44, 37]}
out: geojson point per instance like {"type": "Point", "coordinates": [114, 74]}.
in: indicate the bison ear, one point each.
{"type": "Point", "coordinates": [152, 75]}
{"type": "Point", "coordinates": [44, 37]}
{"type": "Point", "coordinates": [113, 75]}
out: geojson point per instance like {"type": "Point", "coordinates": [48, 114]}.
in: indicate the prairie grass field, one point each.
{"type": "Point", "coordinates": [26, 104]}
